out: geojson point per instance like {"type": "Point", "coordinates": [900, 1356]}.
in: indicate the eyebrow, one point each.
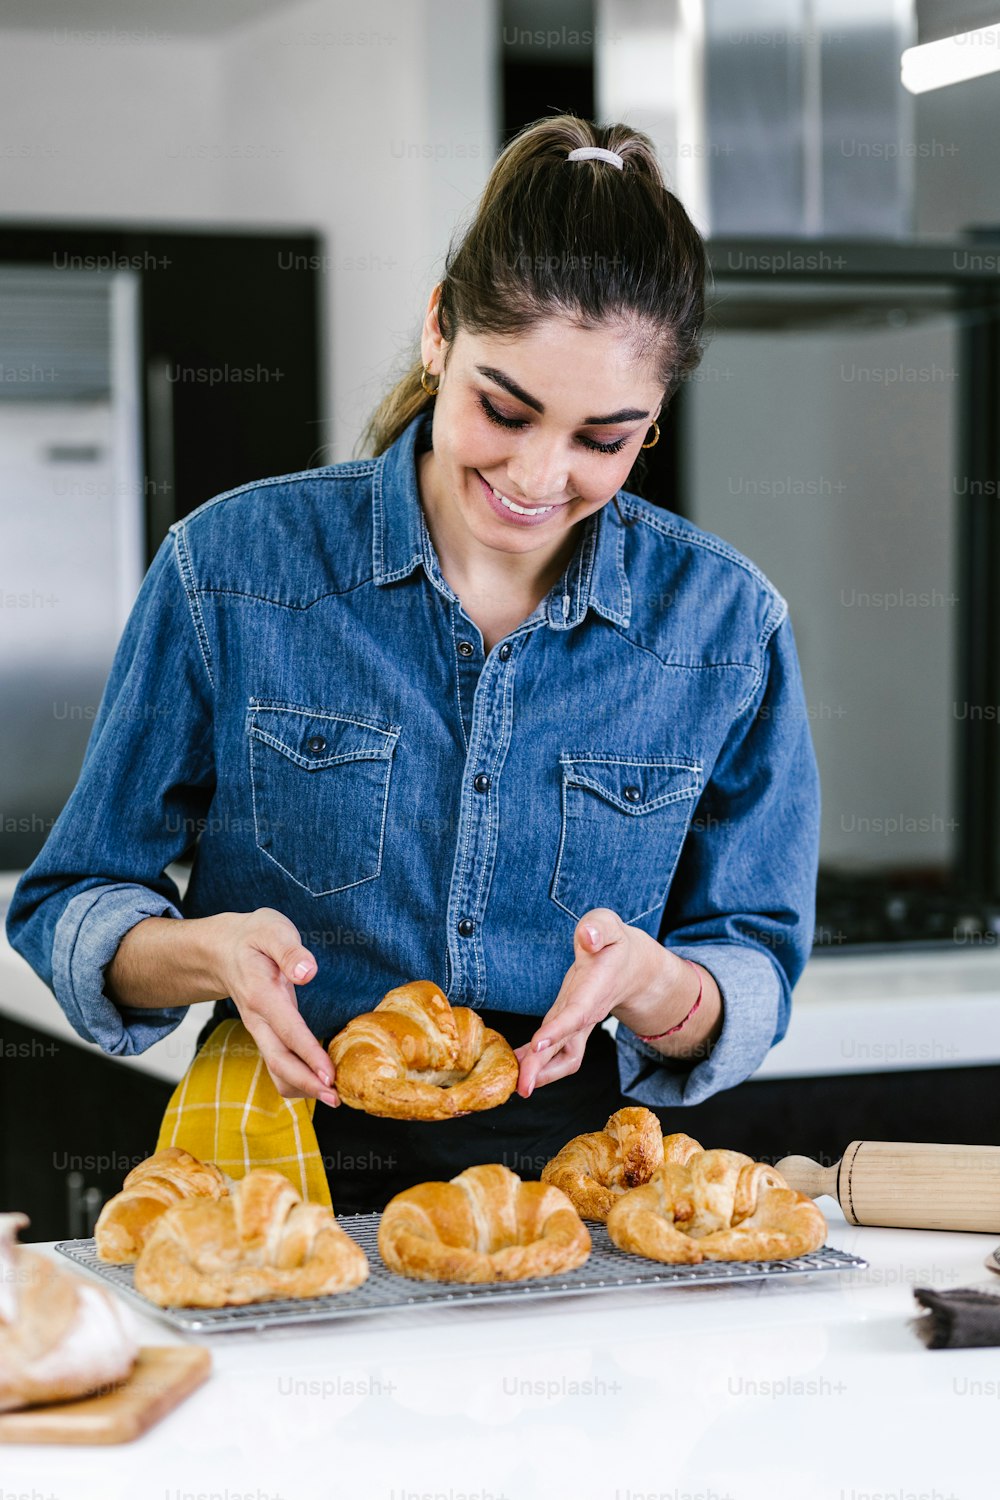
{"type": "Point", "coordinates": [627, 413]}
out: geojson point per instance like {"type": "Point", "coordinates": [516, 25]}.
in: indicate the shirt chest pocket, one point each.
{"type": "Point", "coordinates": [320, 783]}
{"type": "Point", "coordinates": [623, 824]}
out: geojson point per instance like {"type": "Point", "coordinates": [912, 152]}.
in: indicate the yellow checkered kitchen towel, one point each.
{"type": "Point", "coordinates": [226, 1109]}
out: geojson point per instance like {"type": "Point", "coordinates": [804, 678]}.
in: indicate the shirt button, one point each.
{"type": "Point", "coordinates": [504, 651]}
{"type": "Point", "coordinates": [316, 744]}
{"type": "Point", "coordinates": [632, 794]}
{"type": "Point", "coordinates": [466, 927]}
{"type": "Point", "coordinates": [482, 783]}
{"type": "Point", "coordinates": [465, 648]}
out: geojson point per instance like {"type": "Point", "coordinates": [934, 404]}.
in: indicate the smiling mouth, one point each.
{"type": "Point", "coordinates": [519, 510]}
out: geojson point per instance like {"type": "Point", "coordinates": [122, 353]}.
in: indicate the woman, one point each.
{"type": "Point", "coordinates": [467, 711]}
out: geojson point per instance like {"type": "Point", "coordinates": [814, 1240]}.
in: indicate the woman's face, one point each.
{"type": "Point", "coordinates": [551, 420]}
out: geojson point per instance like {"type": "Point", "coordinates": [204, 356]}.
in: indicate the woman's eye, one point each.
{"type": "Point", "coordinates": [501, 421]}
{"type": "Point", "coordinates": [615, 447]}
{"type": "Point", "coordinates": [498, 417]}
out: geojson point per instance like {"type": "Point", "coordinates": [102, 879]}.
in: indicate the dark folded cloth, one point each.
{"type": "Point", "coordinates": [963, 1318]}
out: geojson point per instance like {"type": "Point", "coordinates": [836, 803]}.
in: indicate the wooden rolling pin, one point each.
{"type": "Point", "coordinates": [907, 1184]}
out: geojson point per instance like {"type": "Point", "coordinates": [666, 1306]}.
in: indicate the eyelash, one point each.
{"type": "Point", "coordinates": [509, 422]}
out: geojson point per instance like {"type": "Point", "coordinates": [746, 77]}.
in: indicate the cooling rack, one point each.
{"type": "Point", "coordinates": [607, 1269]}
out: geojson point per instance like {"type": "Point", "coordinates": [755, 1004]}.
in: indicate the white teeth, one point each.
{"type": "Point", "coordinates": [521, 510]}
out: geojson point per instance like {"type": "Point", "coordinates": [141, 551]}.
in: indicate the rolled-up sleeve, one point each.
{"type": "Point", "coordinates": [144, 789]}
{"type": "Point", "coordinates": [743, 899]}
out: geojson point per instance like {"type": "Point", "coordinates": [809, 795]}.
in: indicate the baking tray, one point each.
{"type": "Point", "coordinates": [607, 1269]}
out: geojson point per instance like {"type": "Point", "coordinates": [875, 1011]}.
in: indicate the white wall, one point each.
{"type": "Point", "coordinates": [89, 131]}
{"type": "Point", "coordinates": [383, 144]}
{"type": "Point", "coordinates": [376, 128]}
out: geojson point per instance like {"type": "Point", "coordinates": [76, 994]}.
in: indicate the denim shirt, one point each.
{"type": "Point", "coordinates": [300, 697]}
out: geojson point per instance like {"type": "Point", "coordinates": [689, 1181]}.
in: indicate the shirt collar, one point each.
{"type": "Point", "coordinates": [595, 576]}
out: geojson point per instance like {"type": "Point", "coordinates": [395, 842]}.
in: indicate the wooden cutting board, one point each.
{"type": "Point", "coordinates": [160, 1380]}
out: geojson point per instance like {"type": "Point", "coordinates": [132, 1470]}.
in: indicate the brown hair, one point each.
{"type": "Point", "coordinates": [584, 239]}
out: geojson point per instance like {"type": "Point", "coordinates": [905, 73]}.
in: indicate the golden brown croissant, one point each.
{"type": "Point", "coordinates": [259, 1243]}
{"type": "Point", "coordinates": [715, 1205]}
{"type": "Point", "coordinates": [60, 1336]}
{"type": "Point", "coordinates": [416, 1057]}
{"type": "Point", "coordinates": [156, 1184]}
{"type": "Point", "coordinates": [594, 1170]}
{"type": "Point", "coordinates": [483, 1225]}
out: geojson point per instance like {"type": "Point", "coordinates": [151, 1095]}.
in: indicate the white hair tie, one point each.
{"type": "Point", "coordinates": [596, 153]}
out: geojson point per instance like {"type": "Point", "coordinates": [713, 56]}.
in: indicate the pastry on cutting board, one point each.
{"type": "Point", "coordinates": [60, 1336]}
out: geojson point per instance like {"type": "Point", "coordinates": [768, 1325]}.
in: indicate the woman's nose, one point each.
{"type": "Point", "coordinates": [540, 469]}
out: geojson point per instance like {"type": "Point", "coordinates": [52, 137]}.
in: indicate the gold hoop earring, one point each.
{"type": "Point", "coordinates": [656, 429]}
{"type": "Point", "coordinates": [431, 390]}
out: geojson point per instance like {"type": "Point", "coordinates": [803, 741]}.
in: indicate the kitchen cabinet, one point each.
{"type": "Point", "coordinates": [819, 1117]}
{"type": "Point", "coordinates": [72, 1123]}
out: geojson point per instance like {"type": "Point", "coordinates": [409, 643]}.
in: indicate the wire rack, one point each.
{"type": "Point", "coordinates": [607, 1269]}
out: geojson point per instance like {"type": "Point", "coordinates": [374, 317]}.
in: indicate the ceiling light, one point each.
{"type": "Point", "coordinates": [970, 54]}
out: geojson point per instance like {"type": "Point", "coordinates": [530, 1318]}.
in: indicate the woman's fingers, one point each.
{"type": "Point", "coordinates": [576, 1005]}
{"type": "Point", "coordinates": [559, 1025]}
{"type": "Point", "coordinates": [580, 1004]}
{"type": "Point", "coordinates": [567, 1060]}
{"type": "Point", "coordinates": [586, 997]}
{"type": "Point", "coordinates": [589, 991]}
{"type": "Point", "coordinates": [269, 953]}
{"type": "Point", "coordinates": [285, 1020]}
{"type": "Point", "coordinates": [541, 1068]}
{"type": "Point", "coordinates": [292, 1078]}
{"type": "Point", "coordinates": [260, 960]}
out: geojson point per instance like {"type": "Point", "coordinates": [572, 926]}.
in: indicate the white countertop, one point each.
{"type": "Point", "coordinates": [850, 1013]}
{"type": "Point", "coordinates": [874, 1014]}
{"type": "Point", "coordinates": [802, 1390]}
{"type": "Point", "coordinates": [24, 998]}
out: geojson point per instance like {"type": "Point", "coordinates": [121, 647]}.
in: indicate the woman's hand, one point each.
{"type": "Point", "coordinates": [260, 960]}
{"type": "Point", "coordinates": [614, 965]}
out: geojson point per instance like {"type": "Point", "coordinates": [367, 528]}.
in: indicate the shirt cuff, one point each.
{"type": "Point", "coordinates": [751, 997]}
{"type": "Point", "coordinates": [86, 939]}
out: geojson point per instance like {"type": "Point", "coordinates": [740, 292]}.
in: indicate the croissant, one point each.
{"type": "Point", "coordinates": [259, 1243]}
{"type": "Point", "coordinates": [594, 1170]}
{"type": "Point", "coordinates": [483, 1225]}
{"type": "Point", "coordinates": [127, 1220]}
{"type": "Point", "coordinates": [415, 1057]}
{"type": "Point", "coordinates": [60, 1336]}
{"type": "Point", "coordinates": [714, 1205]}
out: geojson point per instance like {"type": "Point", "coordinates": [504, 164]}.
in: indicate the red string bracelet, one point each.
{"type": "Point", "coordinates": [671, 1029]}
